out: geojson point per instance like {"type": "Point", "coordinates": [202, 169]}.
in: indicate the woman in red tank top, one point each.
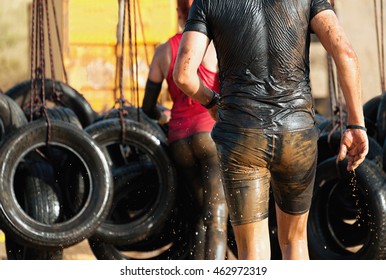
{"type": "Point", "coordinates": [190, 142]}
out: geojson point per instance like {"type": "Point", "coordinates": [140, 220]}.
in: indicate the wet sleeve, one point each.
{"type": "Point", "coordinates": [197, 19]}
{"type": "Point", "coordinates": [318, 6]}
{"type": "Point", "coordinates": [152, 91]}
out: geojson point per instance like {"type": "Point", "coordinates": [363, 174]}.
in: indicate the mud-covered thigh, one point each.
{"type": "Point", "coordinates": [251, 162]}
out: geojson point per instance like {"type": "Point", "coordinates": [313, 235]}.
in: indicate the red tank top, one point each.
{"type": "Point", "coordinates": [187, 115]}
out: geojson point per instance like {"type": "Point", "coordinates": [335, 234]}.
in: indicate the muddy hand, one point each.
{"type": "Point", "coordinates": [355, 145]}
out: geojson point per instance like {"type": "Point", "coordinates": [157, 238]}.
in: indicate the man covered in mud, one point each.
{"type": "Point", "coordinates": [265, 131]}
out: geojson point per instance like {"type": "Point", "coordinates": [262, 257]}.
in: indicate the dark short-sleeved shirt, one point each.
{"type": "Point", "coordinates": [263, 52]}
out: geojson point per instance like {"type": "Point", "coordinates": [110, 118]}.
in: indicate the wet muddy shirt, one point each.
{"type": "Point", "coordinates": [263, 53]}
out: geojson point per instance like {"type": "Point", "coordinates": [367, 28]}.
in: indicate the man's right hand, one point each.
{"type": "Point", "coordinates": [355, 145]}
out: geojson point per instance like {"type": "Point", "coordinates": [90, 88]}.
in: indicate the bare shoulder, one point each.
{"type": "Point", "coordinates": [163, 52]}
{"type": "Point", "coordinates": [162, 58]}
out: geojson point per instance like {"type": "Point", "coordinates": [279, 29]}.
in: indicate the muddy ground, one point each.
{"type": "Point", "coordinates": [79, 251]}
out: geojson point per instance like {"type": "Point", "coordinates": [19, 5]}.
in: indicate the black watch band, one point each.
{"type": "Point", "coordinates": [355, 126]}
{"type": "Point", "coordinates": [213, 101]}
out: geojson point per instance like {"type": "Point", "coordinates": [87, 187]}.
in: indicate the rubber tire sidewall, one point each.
{"type": "Point", "coordinates": [29, 231]}
{"type": "Point", "coordinates": [69, 97]}
{"type": "Point", "coordinates": [372, 182]}
{"type": "Point", "coordinates": [109, 131]}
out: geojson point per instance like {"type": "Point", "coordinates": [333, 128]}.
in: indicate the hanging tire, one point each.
{"type": "Point", "coordinates": [136, 114]}
{"type": "Point", "coordinates": [370, 111]}
{"type": "Point", "coordinates": [11, 116]}
{"type": "Point", "coordinates": [61, 113]}
{"type": "Point", "coordinates": [27, 140]}
{"type": "Point", "coordinates": [370, 108]}
{"type": "Point", "coordinates": [172, 241]}
{"type": "Point", "coordinates": [384, 156]}
{"type": "Point", "coordinates": [138, 146]}
{"type": "Point", "coordinates": [347, 219]}
{"type": "Point", "coordinates": [71, 173]}
{"type": "Point", "coordinates": [57, 92]}
{"type": "Point", "coordinates": [135, 192]}
{"type": "Point", "coordinates": [40, 198]}
{"type": "Point", "coordinates": [381, 119]}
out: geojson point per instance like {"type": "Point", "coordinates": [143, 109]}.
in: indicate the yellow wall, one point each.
{"type": "Point", "coordinates": [14, 43]}
{"type": "Point", "coordinates": [94, 22]}
{"type": "Point", "coordinates": [91, 39]}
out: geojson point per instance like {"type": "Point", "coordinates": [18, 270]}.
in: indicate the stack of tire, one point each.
{"type": "Point", "coordinates": [145, 220]}
{"type": "Point", "coordinates": [71, 175]}
{"type": "Point", "coordinates": [347, 218]}
{"type": "Point", "coordinates": [56, 186]}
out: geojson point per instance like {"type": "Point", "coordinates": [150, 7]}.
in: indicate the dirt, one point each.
{"type": "Point", "coordinates": [80, 251]}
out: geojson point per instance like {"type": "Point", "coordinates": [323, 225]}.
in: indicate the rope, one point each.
{"type": "Point", "coordinates": [122, 57]}
{"type": "Point", "coordinates": [136, 55]}
{"type": "Point", "coordinates": [32, 62]}
{"type": "Point", "coordinates": [124, 8]}
{"type": "Point", "coordinates": [125, 16]}
{"type": "Point", "coordinates": [131, 8]}
{"type": "Point", "coordinates": [40, 33]}
{"type": "Point", "coordinates": [42, 58]}
{"type": "Point", "coordinates": [118, 46]}
{"type": "Point", "coordinates": [143, 34]}
{"type": "Point", "coordinates": [130, 50]}
{"type": "Point", "coordinates": [50, 43]}
{"type": "Point", "coordinates": [133, 54]}
{"type": "Point", "coordinates": [38, 63]}
{"type": "Point", "coordinates": [331, 86]}
{"type": "Point", "coordinates": [121, 110]}
{"type": "Point", "coordinates": [380, 43]}
{"type": "Point", "coordinates": [59, 41]}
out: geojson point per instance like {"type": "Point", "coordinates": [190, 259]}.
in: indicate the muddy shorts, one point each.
{"type": "Point", "coordinates": [253, 161]}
